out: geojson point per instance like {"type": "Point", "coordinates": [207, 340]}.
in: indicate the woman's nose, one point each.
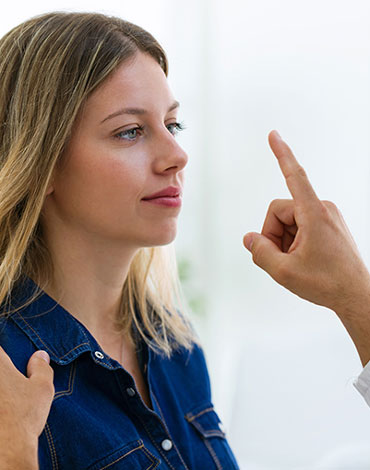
{"type": "Point", "coordinates": [169, 154]}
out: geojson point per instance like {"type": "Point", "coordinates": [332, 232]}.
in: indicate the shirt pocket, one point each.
{"type": "Point", "coordinates": [133, 456]}
{"type": "Point", "coordinates": [206, 423]}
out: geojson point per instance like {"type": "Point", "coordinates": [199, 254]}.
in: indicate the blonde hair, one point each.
{"type": "Point", "coordinates": [49, 66]}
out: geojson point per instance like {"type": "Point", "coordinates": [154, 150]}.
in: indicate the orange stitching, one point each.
{"type": "Point", "coordinates": [156, 445]}
{"type": "Point", "coordinates": [214, 433]}
{"type": "Point", "coordinates": [72, 376]}
{"type": "Point", "coordinates": [150, 456]}
{"type": "Point", "coordinates": [122, 456]}
{"type": "Point", "coordinates": [190, 418]}
{"type": "Point", "coordinates": [164, 422]}
{"type": "Point", "coordinates": [107, 365]}
{"type": "Point", "coordinates": [52, 451]}
{"type": "Point", "coordinates": [73, 349]}
{"type": "Point", "coordinates": [213, 454]}
{"type": "Point", "coordinates": [46, 345]}
{"type": "Point", "coordinates": [211, 432]}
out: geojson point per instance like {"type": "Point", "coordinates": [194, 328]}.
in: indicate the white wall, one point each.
{"type": "Point", "coordinates": [283, 377]}
{"type": "Point", "coordinates": [281, 368]}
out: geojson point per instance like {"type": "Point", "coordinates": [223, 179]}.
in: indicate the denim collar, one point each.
{"type": "Point", "coordinates": [52, 328]}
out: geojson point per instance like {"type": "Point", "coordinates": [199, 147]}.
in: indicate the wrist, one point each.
{"type": "Point", "coordinates": [355, 316]}
{"type": "Point", "coordinates": [17, 452]}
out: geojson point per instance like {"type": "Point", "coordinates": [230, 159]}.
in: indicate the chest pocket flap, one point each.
{"type": "Point", "coordinates": [210, 428]}
{"type": "Point", "coordinates": [206, 421]}
{"type": "Point", "coordinates": [133, 456]}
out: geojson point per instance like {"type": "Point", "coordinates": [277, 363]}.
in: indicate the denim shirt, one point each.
{"type": "Point", "coordinates": [97, 419]}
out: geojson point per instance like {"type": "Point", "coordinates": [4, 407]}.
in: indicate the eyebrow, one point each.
{"type": "Point", "coordinates": [137, 111]}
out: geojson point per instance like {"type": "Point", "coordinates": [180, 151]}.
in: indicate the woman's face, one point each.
{"type": "Point", "coordinates": [110, 165]}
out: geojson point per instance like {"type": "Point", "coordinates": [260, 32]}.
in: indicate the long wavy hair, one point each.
{"type": "Point", "coordinates": [49, 65]}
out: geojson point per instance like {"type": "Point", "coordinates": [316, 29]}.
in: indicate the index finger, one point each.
{"type": "Point", "coordinates": [295, 176]}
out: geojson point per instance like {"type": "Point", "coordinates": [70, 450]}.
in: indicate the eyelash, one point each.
{"type": "Point", "coordinates": [178, 127]}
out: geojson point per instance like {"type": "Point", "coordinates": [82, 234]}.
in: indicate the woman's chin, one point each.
{"type": "Point", "coordinates": [162, 239]}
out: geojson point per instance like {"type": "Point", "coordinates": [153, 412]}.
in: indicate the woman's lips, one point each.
{"type": "Point", "coordinates": [167, 201]}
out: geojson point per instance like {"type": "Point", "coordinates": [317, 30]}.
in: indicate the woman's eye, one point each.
{"type": "Point", "coordinates": [129, 134]}
{"type": "Point", "coordinates": [176, 127]}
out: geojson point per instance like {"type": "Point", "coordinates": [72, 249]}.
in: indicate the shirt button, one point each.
{"type": "Point", "coordinates": [166, 444]}
{"type": "Point", "coordinates": [99, 355]}
{"type": "Point", "coordinates": [130, 392]}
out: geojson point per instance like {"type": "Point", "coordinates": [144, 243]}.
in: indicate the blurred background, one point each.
{"type": "Point", "coordinates": [282, 369]}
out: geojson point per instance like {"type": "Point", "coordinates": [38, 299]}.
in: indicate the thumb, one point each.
{"type": "Point", "coordinates": [264, 251]}
{"type": "Point", "coordinates": [39, 369]}
{"type": "Point", "coordinates": [42, 355]}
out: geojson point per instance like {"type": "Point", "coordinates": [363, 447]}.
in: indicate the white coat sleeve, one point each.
{"type": "Point", "coordinates": [362, 383]}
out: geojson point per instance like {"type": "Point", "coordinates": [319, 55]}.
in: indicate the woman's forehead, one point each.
{"type": "Point", "coordinates": [138, 83]}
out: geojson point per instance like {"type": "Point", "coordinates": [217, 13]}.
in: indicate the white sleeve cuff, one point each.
{"type": "Point", "coordinates": [362, 383]}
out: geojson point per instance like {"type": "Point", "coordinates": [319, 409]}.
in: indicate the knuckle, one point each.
{"type": "Point", "coordinates": [330, 205]}
{"type": "Point", "coordinates": [272, 205]}
{"type": "Point", "coordinates": [48, 387]}
{"type": "Point", "coordinates": [297, 172]}
{"type": "Point", "coordinates": [45, 390]}
{"type": "Point", "coordinates": [46, 382]}
{"type": "Point", "coordinates": [257, 255]}
{"type": "Point", "coordinates": [278, 203]}
{"type": "Point", "coordinates": [283, 274]}
{"type": "Point", "coordinates": [329, 211]}
{"type": "Point", "coordinates": [301, 172]}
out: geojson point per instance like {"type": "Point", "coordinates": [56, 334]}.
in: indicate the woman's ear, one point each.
{"type": "Point", "coordinates": [49, 190]}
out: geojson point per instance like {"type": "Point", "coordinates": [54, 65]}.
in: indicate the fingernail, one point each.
{"type": "Point", "coordinates": [43, 355]}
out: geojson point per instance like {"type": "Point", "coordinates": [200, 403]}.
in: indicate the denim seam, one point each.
{"type": "Point", "coordinates": [122, 456]}
{"type": "Point", "coordinates": [72, 376]}
{"type": "Point", "coordinates": [29, 326]}
{"type": "Point", "coordinates": [150, 456]}
{"type": "Point", "coordinates": [165, 425]}
{"type": "Point", "coordinates": [213, 454]}
{"type": "Point", "coordinates": [53, 453]}
{"type": "Point", "coordinates": [82, 330]}
{"type": "Point", "coordinates": [214, 433]}
{"type": "Point", "coordinates": [82, 344]}
{"type": "Point", "coordinates": [143, 423]}
{"type": "Point", "coordinates": [207, 433]}
{"type": "Point", "coordinates": [156, 445]}
{"type": "Point", "coordinates": [210, 433]}
{"type": "Point", "coordinates": [104, 363]}
{"type": "Point", "coordinates": [49, 349]}
{"type": "Point", "coordinates": [190, 416]}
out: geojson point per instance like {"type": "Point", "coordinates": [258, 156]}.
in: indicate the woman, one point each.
{"type": "Point", "coordinates": [92, 177]}
{"type": "Point", "coordinates": [93, 246]}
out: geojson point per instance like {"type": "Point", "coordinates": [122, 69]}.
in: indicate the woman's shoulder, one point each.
{"type": "Point", "coordinates": [184, 366]}
{"type": "Point", "coordinates": [15, 343]}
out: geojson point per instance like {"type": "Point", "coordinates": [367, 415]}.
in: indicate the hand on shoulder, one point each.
{"type": "Point", "coordinates": [24, 407]}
